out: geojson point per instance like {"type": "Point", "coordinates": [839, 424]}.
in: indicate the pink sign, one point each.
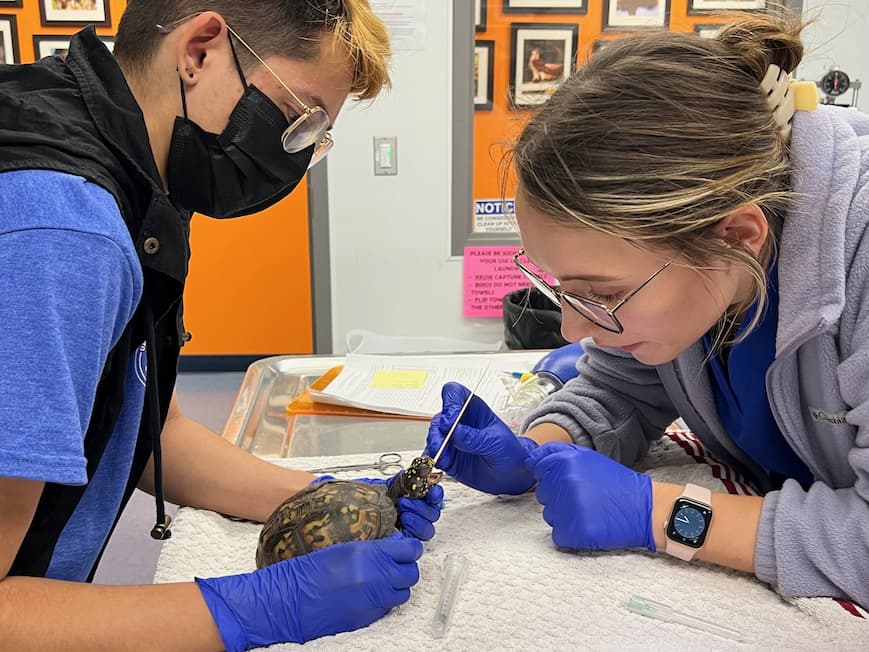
{"type": "Point", "coordinates": [489, 275]}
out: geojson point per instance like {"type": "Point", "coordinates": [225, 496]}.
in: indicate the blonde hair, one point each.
{"type": "Point", "coordinates": [366, 38]}
{"type": "Point", "coordinates": [661, 136]}
{"type": "Point", "coordinates": [297, 29]}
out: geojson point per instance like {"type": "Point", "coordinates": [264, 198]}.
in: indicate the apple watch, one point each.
{"type": "Point", "coordinates": [689, 522]}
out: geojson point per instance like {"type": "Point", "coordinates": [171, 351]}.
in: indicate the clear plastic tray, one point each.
{"type": "Point", "coordinates": [259, 421]}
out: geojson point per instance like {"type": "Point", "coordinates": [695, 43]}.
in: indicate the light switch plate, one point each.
{"type": "Point", "coordinates": [386, 157]}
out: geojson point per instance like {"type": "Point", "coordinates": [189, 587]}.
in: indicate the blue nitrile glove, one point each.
{"type": "Point", "coordinates": [416, 515]}
{"type": "Point", "coordinates": [483, 452]}
{"type": "Point", "coordinates": [559, 365]}
{"type": "Point", "coordinates": [591, 501]}
{"type": "Point", "coordinates": [335, 589]}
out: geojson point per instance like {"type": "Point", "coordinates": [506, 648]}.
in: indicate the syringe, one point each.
{"type": "Point", "coordinates": [455, 565]}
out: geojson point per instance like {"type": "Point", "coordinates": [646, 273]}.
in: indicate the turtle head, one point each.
{"type": "Point", "coordinates": [416, 480]}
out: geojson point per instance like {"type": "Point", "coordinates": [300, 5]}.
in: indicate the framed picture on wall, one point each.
{"type": "Point", "coordinates": [542, 55]}
{"type": "Point", "coordinates": [484, 74]}
{"type": "Point", "coordinates": [700, 6]}
{"type": "Point", "coordinates": [50, 46]}
{"type": "Point", "coordinates": [706, 31]}
{"type": "Point", "coordinates": [545, 6]}
{"type": "Point", "coordinates": [74, 12]}
{"type": "Point", "coordinates": [9, 52]}
{"type": "Point", "coordinates": [636, 14]}
{"type": "Point", "coordinates": [480, 15]}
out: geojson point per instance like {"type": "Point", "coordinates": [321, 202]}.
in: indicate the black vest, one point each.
{"type": "Point", "coordinates": [79, 117]}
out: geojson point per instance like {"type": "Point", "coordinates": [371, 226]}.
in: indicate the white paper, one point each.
{"type": "Point", "coordinates": [353, 386]}
{"type": "Point", "coordinates": [405, 20]}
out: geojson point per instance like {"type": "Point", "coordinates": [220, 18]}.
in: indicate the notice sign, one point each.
{"type": "Point", "coordinates": [405, 20]}
{"type": "Point", "coordinates": [491, 216]}
{"type": "Point", "coordinates": [489, 275]}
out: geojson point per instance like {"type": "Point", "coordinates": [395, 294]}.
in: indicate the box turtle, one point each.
{"type": "Point", "coordinates": [337, 511]}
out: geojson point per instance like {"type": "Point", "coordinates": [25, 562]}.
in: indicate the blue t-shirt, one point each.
{"type": "Point", "coordinates": [741, 398]}
{"type": "Point", "coordinates": [70, 282]}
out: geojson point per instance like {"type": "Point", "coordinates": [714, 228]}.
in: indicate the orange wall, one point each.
{"type": "Point", "coordinates": [249, 289]}
{"type": "Point", "coordinates": [495, 127]}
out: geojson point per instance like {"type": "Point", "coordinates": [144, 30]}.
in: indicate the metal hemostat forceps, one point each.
{"type": "Point", "coordinates": [388, 464]}
{"type": "Point", "coordinates": [419, 477]}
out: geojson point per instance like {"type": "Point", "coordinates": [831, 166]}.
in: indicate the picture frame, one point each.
{"type": "Point", "coordinates": [704, 6]}
{"type": "Point", "coordinates": [75, 12]}
{"type": "Point", "coordinates": [542, 56]}
{"type": "Point", "coordinates": [636, 14]}
{"type": "Point", "coordinates": [49, 46]}
{"type": "Point", "coordinates": [9, 50]}
{"type": "Point", "coordinates": [545, 6]}
{"type": "Point", "coordinates": [484, 75]}
{"type": "Point", "coordinates": [480, 14]}
{"type": "Point", "coordinates": [707, 31]}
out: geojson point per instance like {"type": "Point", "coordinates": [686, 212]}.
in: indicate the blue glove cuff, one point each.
{"type": "Point", "coordinates": [528, 444]}
{"type": "Point", "coordinates": [231, 632]}
{"type": "Point", "coordinates": [650, 506]}
{"type": "Point", "coordinates": [322, 478]}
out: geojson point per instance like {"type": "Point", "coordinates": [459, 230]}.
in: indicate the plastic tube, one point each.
{"type": "Point", "coordinates": [455, 566]}
{"type": "Point", "coordinates": [665, 612]}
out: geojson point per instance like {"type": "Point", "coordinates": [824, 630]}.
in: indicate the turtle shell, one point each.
{"type": "Point", "coordinates": [333, 511]}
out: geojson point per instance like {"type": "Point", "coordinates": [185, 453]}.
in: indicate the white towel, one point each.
{"type": "Point", "coordinates": [523, 593]}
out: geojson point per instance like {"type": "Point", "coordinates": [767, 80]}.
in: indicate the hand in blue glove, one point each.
{"type": "Point", "coordinates": [417, 516]}
{"type": "Point", "coordinates": [483, 452]}
{"type": "Point", "coordinates": [335, 589]}
{"type": "Point", "coordinates": [591, 501]}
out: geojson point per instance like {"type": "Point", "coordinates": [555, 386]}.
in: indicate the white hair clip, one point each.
{"type": "Point", "coordinates": [785, 95]}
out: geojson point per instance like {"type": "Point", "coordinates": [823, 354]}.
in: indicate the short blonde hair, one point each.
{"type": "Point", "coordinates": [367, 39]}
{"type": "Point", "coordinates": [661, 136]}
{"type": "Point", "coordinates": [297, 29]}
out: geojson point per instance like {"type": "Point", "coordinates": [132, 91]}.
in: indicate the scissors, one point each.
{"type": "Point", "coordinates": [388, 464]}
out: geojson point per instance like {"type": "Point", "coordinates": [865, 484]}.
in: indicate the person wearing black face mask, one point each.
{"type": "Point", "coordinates": [102, 161]}
{"type": "Point", "coordinates": [258, 159]}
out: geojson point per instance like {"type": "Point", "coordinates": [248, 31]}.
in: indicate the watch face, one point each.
{"type": "Point", "coordinates": [689, 523]}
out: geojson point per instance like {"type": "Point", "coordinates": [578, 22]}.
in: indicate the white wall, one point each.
{"type": "Point", "coordinates": [391, 267]}
{"type": "Point", "coordinates": [839, 37]}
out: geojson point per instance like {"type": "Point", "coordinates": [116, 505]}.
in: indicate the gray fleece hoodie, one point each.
{"type": "Point", "coordinates": [810, 543]}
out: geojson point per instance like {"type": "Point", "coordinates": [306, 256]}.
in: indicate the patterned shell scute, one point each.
{"type": "Point", "coordinates": [329, 512]}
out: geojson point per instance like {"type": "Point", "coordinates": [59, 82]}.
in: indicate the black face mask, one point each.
{"type": "Point", "coordinates": [243, 170]}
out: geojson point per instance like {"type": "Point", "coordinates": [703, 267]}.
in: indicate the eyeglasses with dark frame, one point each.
{"type": "Point", "coordinates": [310, 127]}
{"type": "Point", "coordinates": [595, 312]}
